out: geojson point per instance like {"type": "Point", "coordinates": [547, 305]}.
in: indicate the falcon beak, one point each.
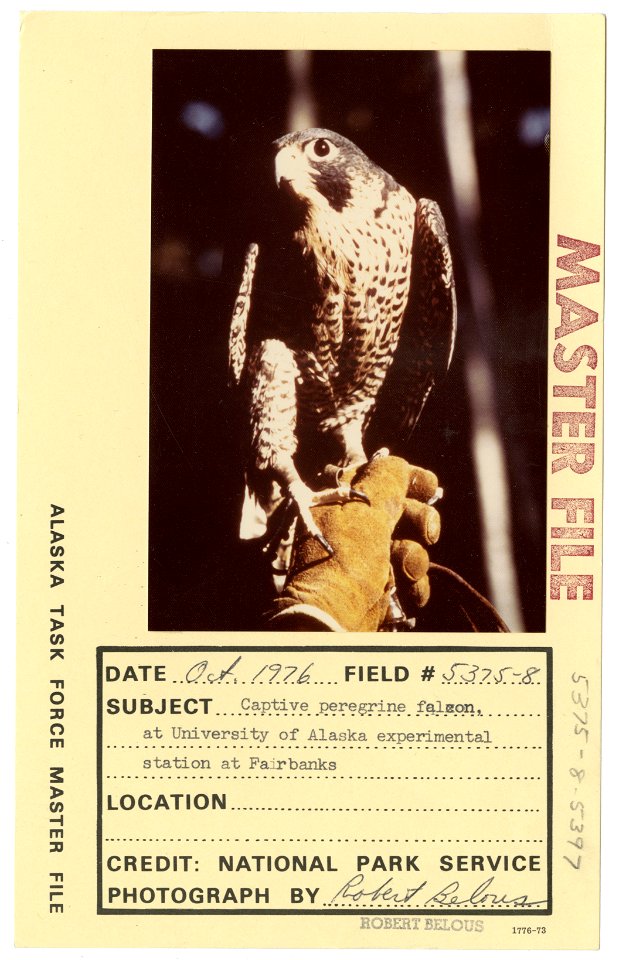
{"type": "Point", "coordinates": [288, 167]}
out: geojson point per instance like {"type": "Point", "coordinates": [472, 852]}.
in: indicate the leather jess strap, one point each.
{"type": "Point", "coordinates": [469, 608]}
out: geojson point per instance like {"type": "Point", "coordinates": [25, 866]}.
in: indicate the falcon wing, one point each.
{"type": "Point", "coordinates": [268, 371]}
{"type": "Point", "coordinates": [427, 335]}
{"type": "Point", "coordinates": [237, 344]}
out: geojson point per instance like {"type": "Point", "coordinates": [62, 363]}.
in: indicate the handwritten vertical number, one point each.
{"type": "Point", "coordinates": [580, 698]}
{"type": "Point", "coordinates": [571, 862]}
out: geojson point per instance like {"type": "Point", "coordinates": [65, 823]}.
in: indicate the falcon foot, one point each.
{"type": "Point", "coordinates": [298, 504]}
{"type": "Point", "coordinates": [343, 493]}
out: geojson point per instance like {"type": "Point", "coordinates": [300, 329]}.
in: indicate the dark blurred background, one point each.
{"type": "Point", "coordinates": [215, 114]}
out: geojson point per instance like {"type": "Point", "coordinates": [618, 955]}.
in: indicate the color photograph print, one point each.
{"type": "Point", "coordinates": [466, 130]}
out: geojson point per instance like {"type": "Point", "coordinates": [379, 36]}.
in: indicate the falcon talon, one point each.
{"type": "Point", "coordinates": [360, 496]}
{"type": "Point", "coordinates": [284, 517]}
{"type": "Point", "coordinates": [324, 543]}
{"type": "Point", "coordinates": [437, 496]}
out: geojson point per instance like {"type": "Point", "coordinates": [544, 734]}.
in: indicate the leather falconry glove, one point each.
{"type": "Point", "coordinates": [375, 547]}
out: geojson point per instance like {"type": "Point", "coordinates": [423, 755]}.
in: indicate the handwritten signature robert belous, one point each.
{"type": "Point", "coordinates": [452, 895]}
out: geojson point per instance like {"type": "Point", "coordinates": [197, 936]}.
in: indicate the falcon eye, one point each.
{"type": "Point", "coordinates": [321, 148]}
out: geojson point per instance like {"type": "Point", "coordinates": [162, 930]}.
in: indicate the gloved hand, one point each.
{"type": "Point", "coordinates": [375, 547]}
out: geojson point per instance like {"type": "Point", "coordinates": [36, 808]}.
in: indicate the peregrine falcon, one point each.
{"type": "Point", "coordinates": [328, 333]}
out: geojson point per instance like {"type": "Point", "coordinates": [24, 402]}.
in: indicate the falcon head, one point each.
{"type": "Point", "coordinates": [319, 168]}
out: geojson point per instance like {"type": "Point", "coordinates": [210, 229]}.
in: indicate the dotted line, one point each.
{"type": "Point", "coordinates": [310, 746]}
{"type": "Point", "coordinates": [257, 683]}
{"type": "Point", "coordinates": [259, 776]}
{"type": "Point", "coordinates": [489, 683]}
{"type": "Point", "coordinates": [395, 809]}
{"type": "Point", "coordinates": [256, 715]}
{"type": "Point", "coordinates": [466, 716]}
{"type": "Point", "coordinates": [304, 840]}
{"type": "Point", "coordinates": [435, 714]}
{"type": "Point", "coordinates": [467, 906]}
{"type": "Point", "coordinates": [354, 715]}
